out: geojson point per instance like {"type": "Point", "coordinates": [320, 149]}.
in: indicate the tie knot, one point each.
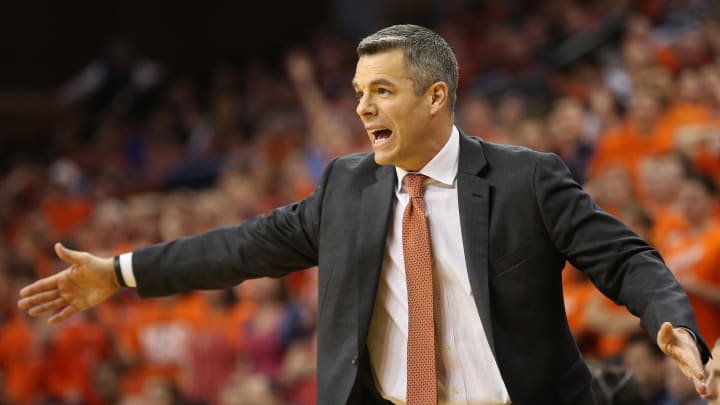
{"type": "Point", "coordinates": [414, 183]}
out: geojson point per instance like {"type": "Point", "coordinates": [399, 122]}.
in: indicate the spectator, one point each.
{"type": "Point", "coordinates": [695, 258]}
{"type": "Point", "coordinates": [635, 139]}
{"type": "Point", "coordinates": [644, 360]}
{"type": "Point", "coordinates": [273, 328]}
{"type": "Point", "coordinates": [613, 385]}
{"type": "Point", "coordinates": [567, 123]}
{"type": "Point", "coordinates": [138, 155]}
{"type": "Point", "coordinates": [213, 349]}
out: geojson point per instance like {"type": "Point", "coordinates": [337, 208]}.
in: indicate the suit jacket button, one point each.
{"type": "Point", "coordinates": [354, 361]}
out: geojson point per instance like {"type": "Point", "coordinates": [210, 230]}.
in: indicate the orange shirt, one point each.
{"type": "Point", "coordinates": [577, 296]}
{"type": "Point", "coordinates": [64, 214]}
{"type": "Point", "coordinates": [20, 361]}
{"type": "Point", "coordinates": [77, 348]}
{"type": "Point", "coordinates": [159, 339]}
{"type": "Point", "coordinates": [577, 289]}
{"type": "Point", "coordinates": [708, 164]}
{"type": "Point", "coordinates": [699, 256]}
{"type": "Point", "coordinates": [213, 354]}
{"type": "Point", "coordinates": [578, 293]}
{"type": "Point", "coordinates": [668, 230]}
{"type": "Point", "coordinates": [625, 146]}
{"type": "Point", "coordinates": [681, 114]}
{"type": "Point", "coordinates": [610, 344]}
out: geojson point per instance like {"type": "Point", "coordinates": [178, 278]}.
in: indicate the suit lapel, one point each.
{"type": "Point", "coordinates": [474, 202]}
{"type": "Point", "coordinates": [375, 210]}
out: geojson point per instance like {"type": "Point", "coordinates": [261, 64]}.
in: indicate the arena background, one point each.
{"type": "Point", "coordinates": [128, 123]}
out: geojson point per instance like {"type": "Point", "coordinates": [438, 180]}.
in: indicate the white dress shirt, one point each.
{"type": "Point", "coordinates": [467, 372]}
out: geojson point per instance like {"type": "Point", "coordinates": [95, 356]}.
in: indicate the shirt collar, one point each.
{"type": "Point", "coordinates": [442, 167]}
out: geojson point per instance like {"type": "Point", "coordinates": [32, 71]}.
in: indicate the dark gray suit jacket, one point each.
{"type": "Point", "coordinates": [521, 216]}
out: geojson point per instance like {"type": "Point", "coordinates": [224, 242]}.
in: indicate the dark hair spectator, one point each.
{"type": "Point", "coordinates": [614, 385]}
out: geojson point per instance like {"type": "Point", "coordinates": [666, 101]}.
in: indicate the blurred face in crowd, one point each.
{"type": "Point", "coordinates": [690, 86]}
{"type": "Point", "coordinates": [602, 102]}
{"type": "Point", "coordinates": [695, 202]}
{"type": "Point", "coordinates": [644, 108]}
{"type": "Point", "coordinates": [661, 177]}
{"type": "Point", "coordinates": [159, 392]}
{"type": "Point", "coordinates": [512, 109]}
{"type": "Point", "coordinates": [567, 121]}
{"type": "Point", "coordinates": [531, 134]}
{"type": "Point", "coordinates": [404, 127]}
{"type": "Point", "coordinates": [615, 186]}
{"type": "Point", "coordinates": [476, 115]}
{"type": "Point", "coordinates": [647, 367]}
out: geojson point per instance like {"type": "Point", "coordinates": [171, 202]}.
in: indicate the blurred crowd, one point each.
{"type": "Point", "coordinates": [626, 92]}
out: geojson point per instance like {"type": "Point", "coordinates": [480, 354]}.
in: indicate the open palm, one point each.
{"type": "Point", "coordinates": [88, 281]}
{"type": "Point", "coordinates": [680, 345]}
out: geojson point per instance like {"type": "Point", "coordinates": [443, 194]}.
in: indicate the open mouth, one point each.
{"type": "Point", "coordinates": [381, 135]}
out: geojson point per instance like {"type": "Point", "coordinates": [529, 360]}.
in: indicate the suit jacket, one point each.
{"type": "Point", "coordinates": [521, 216]}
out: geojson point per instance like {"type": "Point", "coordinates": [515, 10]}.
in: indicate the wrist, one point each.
{"type": "Point", "coordinates": [118, 279]}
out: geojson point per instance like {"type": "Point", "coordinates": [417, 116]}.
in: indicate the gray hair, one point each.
{"type": "Point", "coordinates": [428, 56]}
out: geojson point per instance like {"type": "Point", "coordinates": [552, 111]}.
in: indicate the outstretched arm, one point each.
{"type": "Point", "coordinates": [88, 281]}
{"type": "Point", "coordinates": [624, 267]}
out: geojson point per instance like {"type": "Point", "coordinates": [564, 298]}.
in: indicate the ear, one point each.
{"type": "Point", "coordinates": [438, 93]}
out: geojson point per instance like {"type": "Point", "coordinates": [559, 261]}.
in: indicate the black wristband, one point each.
{"type": "Point", "coordinates": [118, 272]}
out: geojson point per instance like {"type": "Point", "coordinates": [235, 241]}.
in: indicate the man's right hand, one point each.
{"type": "Point", "coordinates": [88, 281]}
{"type": "Point", "coordinates": [712, 368]}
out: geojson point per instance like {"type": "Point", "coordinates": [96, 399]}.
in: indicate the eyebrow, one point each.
{"type": "Point", "coordinates": [376, 82]}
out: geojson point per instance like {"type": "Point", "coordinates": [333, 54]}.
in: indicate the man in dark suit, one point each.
{"type": "Point", "coordinates": [502, 221]}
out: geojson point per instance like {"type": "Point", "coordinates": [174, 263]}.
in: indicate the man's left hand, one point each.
{"type": "Point", "coordinates": [680, 345]}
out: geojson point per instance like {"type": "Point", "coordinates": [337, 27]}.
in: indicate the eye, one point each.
{"type": "Point", "coordinates": [383, 90]}
{"type": "Point", "coordinates": [358, 95]}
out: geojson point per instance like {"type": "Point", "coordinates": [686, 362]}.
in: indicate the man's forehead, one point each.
{"type": "Point", "coordinates": [384, 68]}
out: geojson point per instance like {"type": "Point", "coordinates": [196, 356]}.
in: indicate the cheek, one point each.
{"type": "Point", "coordinates": [413, 118]}
{"type": "Point", "coordinates": [407, 117]}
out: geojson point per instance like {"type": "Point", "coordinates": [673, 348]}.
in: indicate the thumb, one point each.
{"type": "Point", "coordinates": [665, 334]}
{"type": "Point", "coordinates": [68, 255]}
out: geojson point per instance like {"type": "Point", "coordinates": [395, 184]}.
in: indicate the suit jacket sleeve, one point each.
{"type": "Point", "coordinates": [270, 245]}
{"type": "Point", "coordinates": [623, 266]}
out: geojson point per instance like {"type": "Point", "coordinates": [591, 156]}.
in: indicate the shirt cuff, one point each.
{"type": "Point", "coordinates": [691, 333]}
{"type": "Point", "coordinates": [126, 269]}
{"type": "Point", "coordinates": [695, 338]}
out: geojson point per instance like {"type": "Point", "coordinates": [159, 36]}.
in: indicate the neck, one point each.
{"type": "Point", "coordinates": [438, 136]}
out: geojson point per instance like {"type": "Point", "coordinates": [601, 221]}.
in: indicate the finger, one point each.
{"type": "Point", "coordinates": [68, 255]}
{"type": "Point", "coordinates": [698, 370]}
{"type": "Point", "coordinates": [688, 359]}
{"type": "Point", "coordinates": [711, 385]}
{"type": "Point", "coordinates": [40, 286]}
{"type": "Point", "coordinates": [66, 313]}
{"type": "Point", "coordinates": [700, 387]}
{"type": "Point", "coordinates": [47, 307]}
{"type": "Point", "coordinates": [38, 299]}
{"type": "Point", "coordinates": [690, 364]}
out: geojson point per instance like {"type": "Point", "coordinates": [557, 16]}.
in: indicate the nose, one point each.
{"type": "Point", "coordinates": [365, 108]}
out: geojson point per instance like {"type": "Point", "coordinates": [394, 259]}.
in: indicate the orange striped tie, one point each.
{"type": "Point", "coordinates": [421, 372]}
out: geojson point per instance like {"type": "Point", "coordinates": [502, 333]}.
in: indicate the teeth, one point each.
{"type": "Point", "coordinates": [381, 135]}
